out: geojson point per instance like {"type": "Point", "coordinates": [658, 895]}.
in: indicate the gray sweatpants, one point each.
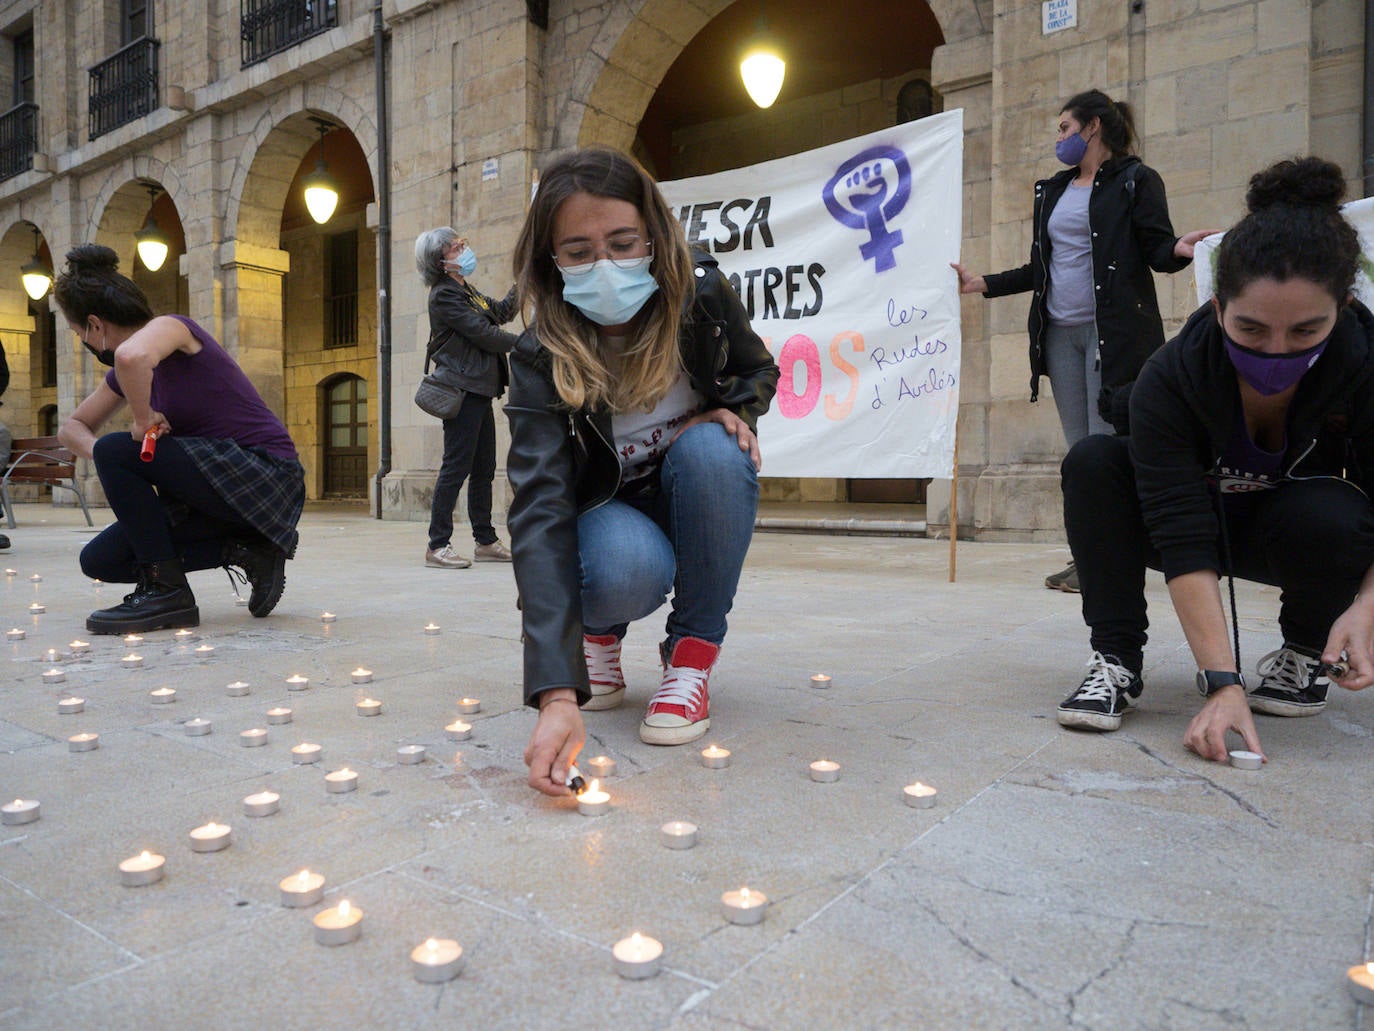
{"type": "Point", "coordinates": [1071, 358]}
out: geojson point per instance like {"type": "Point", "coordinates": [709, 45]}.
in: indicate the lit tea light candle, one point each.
{"type": "Point", "coordinates": [11, 572]}
{"type": "Point", "coordinates": [1360, 980]}
{"type": "Point", "coordinates": [340, 925]}
{"type": "Point", "coordinates": [821, 680]}
{"type": "Point", "coordinates": [204, 651]}
{"type": "Point", "coordinates": [237, 689]}
{"type": "Point", "coordinates": [824, 771]}
{"type": "Point", "coordinates": [85, 742]}
{"type": "Point", "coordinates": [36, 609]}
{"type": "Point", "coordinates": [261, 803]}
{"type": "Point", "coordinates": [144, 868]}
{"type": "Point", "coordinates": [15, 634]}
{"type": "Point", "coordinates": [211, 837]}
{"type": "Point", "coordinates": [637, 956]}
{"type": "Point", "coordinates": [185, 634]}
{"type": "Point", "coordinates": [97, 584]}
{"type": "Point", "coordinates": [340, 781]}
{"type": "Point", "coordinates": [21, 810]}
{"type": "Point", "coordinates": [301, 889]}
{"type": "Point", "coordinates": [132, 661]}
{"type": "Point", "coordinates": [361, 676]}
{"type": "Point", "coordinates": [163, 695]}
{"type": "Point", "coordinates": [70, 705]}
{"type": "Point", "coordinates": [327, 617]}
{"type": "Point", "coordinates": [54, 676]}
{"type": "Point", "coordinates": [240, 601]}
{"type": "Point", "coordinates": [469, 706]}
{"type": "Point", "coordinates": [436, 960]}
{"type": "Point", "coordinates": [368, 707]}
{"type": "Point", "coordinates": [279, 714]}
{"type": "Point", "coordinates": [306, 752]}
{"type": "Point", "coordinates": [52, 655]}
{"type": "Point", "coordinates": [253, 738]}
{"type": "Point", "coordinates": [743, 907]}
{"type": "Point", "coordinates": [919, 796]}
{"type": "Point", "coordinates": [410, 755]}
{"type": "Point", "coordinates": [133, 640]}
{"type": "Point", "coordinates": [458, 731]}
{"type": "Point", "coordinates": [78, 647]}
{"type": "Point", "coordinates": [198, 727]}
{"type": "Point", "coordinates": [432, 629]}
{"type": "Point", "coordinates": [602, 766]}
{"type": "Point", "coordinates": [296, 682]}
{"type": "Point", "coordinates": [594, 801]}
{"type": "Point", "coordinates": [678, 834]}
{"type": "Point", "coordinates": [37, 578]}
{"type": "Point", "coordinates": [1243, 760]}
{"type": "Point", "coordinates": [715, 758]}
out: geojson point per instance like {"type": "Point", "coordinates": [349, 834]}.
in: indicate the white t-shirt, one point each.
{"type": "Point", "coordinates": [641, 438]}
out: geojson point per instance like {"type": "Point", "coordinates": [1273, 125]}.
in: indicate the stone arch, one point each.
{"type": "Point", "coordinates": [120, 203]}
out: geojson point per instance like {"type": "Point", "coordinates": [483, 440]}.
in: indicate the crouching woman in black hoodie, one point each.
{"type": "Point", "coordinates": [1251, 453]}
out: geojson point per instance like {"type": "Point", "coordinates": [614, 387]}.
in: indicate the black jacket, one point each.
{"type": "Point", "coordinates": [1183, 412]}
{"type": "Point", "coordinates": [1128, 217]}
{"type": "Point", "coordinates": [464, 341]}
{"type": "Point", "coordinates": [563, 463]}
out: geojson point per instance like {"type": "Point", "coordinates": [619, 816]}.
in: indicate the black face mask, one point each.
{"type": "Point", "coordinates": [103, 357]}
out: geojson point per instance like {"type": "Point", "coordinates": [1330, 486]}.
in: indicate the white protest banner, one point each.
{"type": "Point", "coordinates": [1359, 213]}
{"type": "Point", "coordinates": [841, 256]}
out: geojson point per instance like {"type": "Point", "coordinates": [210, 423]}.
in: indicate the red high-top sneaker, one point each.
{"type": "Point", "coordinates": [680, 710]}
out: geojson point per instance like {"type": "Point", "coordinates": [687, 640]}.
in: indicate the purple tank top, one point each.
{"type": "Point", "coordinates": [208, 395]}
{"type": "Point", "coordinates": [1244, 467]}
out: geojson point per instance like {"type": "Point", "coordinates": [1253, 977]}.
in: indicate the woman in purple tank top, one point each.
{"type": "Point", "coordinates": [207, 475]}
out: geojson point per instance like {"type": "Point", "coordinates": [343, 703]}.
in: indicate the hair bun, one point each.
{"type": "Point", "coordinates": [91, 257]}
{"type": "Point", "coordinates": [1309, 182]}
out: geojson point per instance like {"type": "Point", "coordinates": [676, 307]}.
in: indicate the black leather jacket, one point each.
{"type": "Point", "coordinates": [465, 344]}
{"type": "Point", "coordinates": [563, 463]}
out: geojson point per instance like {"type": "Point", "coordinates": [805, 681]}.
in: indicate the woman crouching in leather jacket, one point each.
{"type": "Point", "coordinates": [633, 404]}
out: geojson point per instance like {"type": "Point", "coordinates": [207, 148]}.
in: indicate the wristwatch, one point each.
{"type": "Point", "coordinates": [1210, 681]}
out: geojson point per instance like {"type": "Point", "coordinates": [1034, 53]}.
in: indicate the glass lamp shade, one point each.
{"type": "Point", "coordinates": [321, 194]}
{"type": "Point", "coordinates": [762, 70]}
{"type": "Point", "coordinates": [152, 246]}
{"type": "Point", "coordinates": [36, 279]}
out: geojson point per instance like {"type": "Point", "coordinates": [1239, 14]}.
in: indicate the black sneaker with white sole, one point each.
{"type": "Point", "coordinates": [1106, 693]}
{"type": "Point", "coordinates": [1293, 684]}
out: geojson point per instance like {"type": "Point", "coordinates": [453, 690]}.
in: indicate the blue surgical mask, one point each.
{"type": "Point", "coordinates": [610, 294]}
{"type": "Point", "coordinates": [1071, 149]}
{"type": "Point", "coordinates": [465, 265]}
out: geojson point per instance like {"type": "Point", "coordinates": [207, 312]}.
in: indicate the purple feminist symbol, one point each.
{"type": "Point", "coordinates": [867, 192]}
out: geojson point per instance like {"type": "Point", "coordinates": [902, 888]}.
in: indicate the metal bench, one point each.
{"type": "Point", "coordinates": [40, 460]}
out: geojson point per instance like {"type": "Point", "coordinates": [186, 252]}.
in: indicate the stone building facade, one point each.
{"type": "Point", "coordinates": [481, 92]}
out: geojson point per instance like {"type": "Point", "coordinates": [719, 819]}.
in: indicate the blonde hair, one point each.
{"type": "Point", "coordinates": [585, 374]}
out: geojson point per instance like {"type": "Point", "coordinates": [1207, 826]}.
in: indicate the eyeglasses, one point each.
{"type": "Point", "coordinates": [626, 250]}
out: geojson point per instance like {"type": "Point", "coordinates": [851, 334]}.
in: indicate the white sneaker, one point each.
{"type": "Point", "coordinates": [602, 652]}
{"type": "Point", "coordinates": [446, 558]}
{"type": "Point", "coordinates": [1293, 684]}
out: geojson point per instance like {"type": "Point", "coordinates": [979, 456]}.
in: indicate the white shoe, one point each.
{"type": "Point", "coordinates": [446, 558]}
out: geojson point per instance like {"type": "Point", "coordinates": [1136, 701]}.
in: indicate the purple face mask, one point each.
{"type": "Point", "coordinates": [1271, 374]}
{"type": "Point", "coordinates": [1071, 149]}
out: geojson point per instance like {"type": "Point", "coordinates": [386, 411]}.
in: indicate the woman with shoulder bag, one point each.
{"type": "Point", "coordinates": [469, 349]}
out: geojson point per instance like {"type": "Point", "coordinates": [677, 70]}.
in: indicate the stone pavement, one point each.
{"type": "Point", "coordinates": [1063, 879]}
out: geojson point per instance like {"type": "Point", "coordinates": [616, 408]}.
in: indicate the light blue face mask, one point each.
{"type": "Point", "coordinates": [607, 293]}
{"type": "Point", "coordinates": [465, 265]}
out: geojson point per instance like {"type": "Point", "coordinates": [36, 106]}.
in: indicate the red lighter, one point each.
{"type": "Point", "coordinates": [149, 444]}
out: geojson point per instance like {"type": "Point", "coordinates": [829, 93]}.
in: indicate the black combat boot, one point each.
{"type": "Point", "coordinates": [264, 567]}
{"type": "Point", "coordinates": [161, 600]}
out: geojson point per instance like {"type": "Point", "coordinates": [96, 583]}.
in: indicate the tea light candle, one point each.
{"type": "Point", "coordinates": [823, 771]}
{"type": "Point", "coordinates": [36, 609]}
{"type": "Point", "coordinates": [184, 634]}
{"type": "Point", "coordinates": [240, 601]}
{"type": "Point", "coordinates": [279, 715]}
{"type": "Point", "coordinates": [602, 766]}
{"type": "Point", "coordinates": [410, 755]}
{"type": "Point", "coordinates": [1360, 980]}
{"type": "Point", "coordinates": [85, 742]}
{"type": "Point", "coordinates": [204, 651]}
{"type": "Point", "coordinates": [458, 731]}
{"type": "Point", "coordinates": [820, 680]}
{"type": "Point", "coordinates": [210, 837]}
{"type": "Point", "coordinates": [296, 682]}
{"type": "Point", "coordinates": [714, 758]}
{"type": "Point", "coordinates": [306, 752]}
{"type": "Point", "coordinates": [469, 706]}
{"type": "Point", "coordinates": [237, 689]}
{"type": "Point", "coordinates": [919, 796]}
{"type": "Point", "coordinates": [11, 572]}
{"type": "Point", "coordinates": [70, 705]}
{"type": "Point", "coordinates": [261, 803]}
{"type": "Point", "coordinates": [144, 868]}
{"type": "Point", "coordinates": [253, 738]}
{"type": "Point", "coordinates": [301, 889]}
{"type": "Point", "coordinates": [340, 925]}
{"type": "Point", "coordinates": [15, 634]}
{"type": "Point", "coordinates": [437, 960]}
{"type": "Point", "coordinates": [54, 676]}
{"type": "Point", "coordinates": [368, 707]}
{"type": "Point", "coordinates": [133, 640]}
{"type": "Point", "coordinates": [37, 578]}
{"type": "Point", "coordinates": [52, 655]}
{"type": "Point", "coordinates": [637, 956]}
{"type": "Point", "coordinates": [1243, 760]}
{"type": "Point", "coordinates": [131, 661]}
{"type": "Point", "coordinates": [163, 695]}
{"type": "Point", "coordinates": [341, 781]}
{"type": "Point", "coordinates": [327, 617]}
{"type": "Point", "coordinates": [361, 676]}
{"type": "Point", "coordinates": [21, 810]}
{"type": "Point", "coordinates": [678, 834]}
{"type": "Point", "coordinates": [79, 647]}
{"type": "Point", "coordinates": [432, 629]}
{"type": "Point", "coordinates": [198, 727]}
{"type": "Point", "coordinates": [743, 907]}
{"type": "Point", "coordinates": [594, 801]}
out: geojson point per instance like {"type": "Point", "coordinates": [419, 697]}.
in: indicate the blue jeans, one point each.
{"type": "Point", "coordinates": [689, 537]}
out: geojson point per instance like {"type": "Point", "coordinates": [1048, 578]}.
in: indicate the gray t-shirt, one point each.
{"type": "Point", "coordinates": [1070, 294]}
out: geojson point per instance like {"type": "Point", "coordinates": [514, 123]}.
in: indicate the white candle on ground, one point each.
{"type": "Point", "coordinates": [602, 766]}
{"type": "Point", "coordinates": [410, 755]}
{"type": "Point", "coordinates": [919, 796]}
{"type": "Point", "coordinates": [144, 868]}
{"type": "Point", "coordinates": [436, 960]}
{"type": "Point", "coordinates": [131, 661]}
{"type": "Point", "coordinates": [594, 801]}
{"type": "Point", "coordinates": [184, 634]}
{"type": "Point", "coordinates": [368, 707]}
{"type": "Point", "coordinates": [204, 651]}
{"type": "Point", "coordinates": [37, 578]}
{"type": "Point", "coordinates": [432, 629]}
{"type": "Point", "coordinates": [70, 705]}
{"type": "Point", "coordinates": [261, 803]}
{"type": "Point", "coordinates": [821, 680]}
{"type": "Point", "coordinates": [253, 738]}
{"type": "Point", "coordinates": [715, 758]}
{"type": "Point", "coordinates": [52, 655]}
{"type": "Point", "coordinates": [1243, 760]}
{"type": "Point", "coordinates": [306, 752]}
{"type": "Point", "coordinates": [36, 609]}
{"type": "Point", "coordinates": [210, 837]}
{"type": "Point", "coordinates": [84, 742]}
{"type": "Point", "coordinates": [361, 676]}
{"type": "Point", "coordinates": [340, 925]}
{"type": "Point", "coordinates": [744, 906]}
{"type": "Point", "coordinates": [469, 706]}
{"type": "Point", "coordinates": [133, 640]}
{"type": "Point", "coordinates": [163, 695]}
{"type": "Point", "coordinates": [21, 810]}
{"type": "Point", "coordinates": [237, 689]}
{"type": "Point", "coordinates": [327, 617]}
{"type": "Point", "coordinates": [198, 727]}
{"type": "Point", "coordinates": [54, 676]}
{"type": "Point", "coordinates": [637, 956]}
{"type": "Point", "coordinates": [458, 731]}
{"type": "Point", "coordinates": [15, 634]}
{"type": "Point", "coordinates": [280, 714]}
{"type": "Point", "coordinates": [78, 647]}
{"type": "Point", "coordinates": [296, 682]}
{"type": "Point", "coordinates": [340, 781]}
{"type": "Point", "coordinates": [301, 889]}
{"type": "Point", "coordinates": [825, 771]}
{"type": "Point", "coordinates": [678, 834]}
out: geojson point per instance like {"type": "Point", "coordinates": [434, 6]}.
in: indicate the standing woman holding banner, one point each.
{"type": "Point", "coordinates": [1099, 227]}
{"type": "Point", "coordinates": [633, 403]}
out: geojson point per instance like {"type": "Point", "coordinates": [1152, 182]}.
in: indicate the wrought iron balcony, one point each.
{"type": "Point", "coordinates": [124, 87]}
{"type": "Point", "coordinates": [18, 139]}
{"type": "Point", "coordinates": [268, 27]}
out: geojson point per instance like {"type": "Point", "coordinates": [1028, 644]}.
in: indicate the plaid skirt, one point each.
{"type": "Point", "coordinates": [267, 492]}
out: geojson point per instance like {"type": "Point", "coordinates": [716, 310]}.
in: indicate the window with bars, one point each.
{"type": "Point", "coordinates": [341, 289]}
{"type": "Point", "coordinates": [268, 27]}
